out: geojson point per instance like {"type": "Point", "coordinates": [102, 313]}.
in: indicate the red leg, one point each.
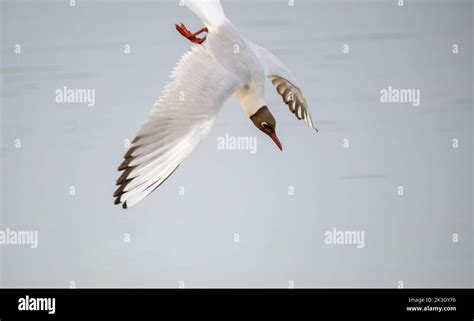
{"type": "Point", "coordinates": [200, 31]}
{"type": "Point", "coordinates": [191, 36]}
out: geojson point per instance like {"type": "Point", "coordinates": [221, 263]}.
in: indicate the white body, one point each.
{"type": "Point", "coordinates": [237, 54]}
{"type": "Point", "coordinates": [244, 58]}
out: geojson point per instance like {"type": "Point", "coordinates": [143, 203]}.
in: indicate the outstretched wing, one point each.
{"type": "Point", "coordinates": [285, 83]}
{"type": "Point", "coordinates": [180, 118]}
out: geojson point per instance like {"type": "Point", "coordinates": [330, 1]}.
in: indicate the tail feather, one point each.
{"type": "Point", "coordinates": [210, 11]}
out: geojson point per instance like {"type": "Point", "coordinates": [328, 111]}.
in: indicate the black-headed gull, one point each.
{"type": "Point", "coordinates": [201, 82]}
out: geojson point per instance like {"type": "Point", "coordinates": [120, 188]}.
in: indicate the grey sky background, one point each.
{"type": "Point", "coordinates": [190, 237]}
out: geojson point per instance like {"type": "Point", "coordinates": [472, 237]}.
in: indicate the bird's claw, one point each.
{"type": "Point", "coordinates": [191, 36]}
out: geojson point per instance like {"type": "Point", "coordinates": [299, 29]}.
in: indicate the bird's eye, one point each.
{"type": "Point", "coordinates": [265, 125]}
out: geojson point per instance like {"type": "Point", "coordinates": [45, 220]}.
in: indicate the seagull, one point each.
{"type": "Point", "coordinates": [221, 63]}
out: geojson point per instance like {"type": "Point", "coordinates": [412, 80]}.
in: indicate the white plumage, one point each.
{"type": "Point", "coordinates": [210, 12]}
{"type": "Point", "coordinates": [202, 81]}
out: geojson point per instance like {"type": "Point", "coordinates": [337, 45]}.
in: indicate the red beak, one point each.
{"type": "Point", "coordinates": [274, 137]}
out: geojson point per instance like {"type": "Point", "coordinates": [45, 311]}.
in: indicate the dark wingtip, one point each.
{"type": "Point", "coordinates": [124, 164]}
{"type": "Point", "coordinates": [124, 205]}
{"type": "Point", "coordinates": [128, 154]}
{"type": "Point", "coordinates": [124, 177]}
{"type": "Point", "coordinates": [136, 139]}
{"type": "Point", "coordinates": [119, 190]}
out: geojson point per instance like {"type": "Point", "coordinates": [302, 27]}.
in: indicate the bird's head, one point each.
{"type": "Point", "coordinates": [264, 120]}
